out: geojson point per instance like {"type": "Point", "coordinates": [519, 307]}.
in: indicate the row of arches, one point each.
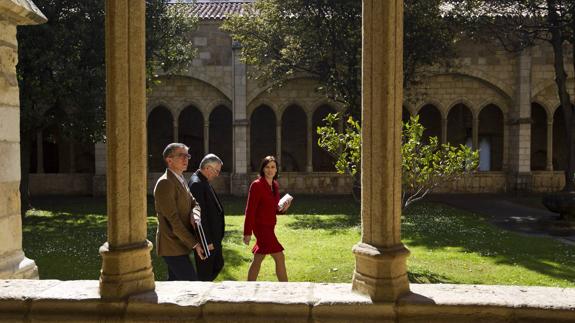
{"type": "Point", "coordinates": [548, 139]}
{"type": "Point", "coordinates": [459, 127]}
{"type": "Point", "coordinates": [51, 151]}
{"type": "Point", "coordinates": [294, 136]}
{"type": "Point", "coordinates": [548, 134]}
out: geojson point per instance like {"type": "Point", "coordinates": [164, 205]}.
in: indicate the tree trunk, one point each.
{"type": "Point", "coordinates": [561, 80]}
{"type": "Point", "coordinates": [25, 145]}
{"type": "Point", "coordinates": [571, 125]}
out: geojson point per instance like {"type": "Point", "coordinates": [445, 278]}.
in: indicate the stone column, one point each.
{"type": "Point", "coordinates": [443, 130]}
{"type": "Point", "coordinates": [126, 261]}
{"type": "Point", "coordinates": [549, 145]}
{"type": "Point", "coordinates": [520, 127]}
{"type": "Point", "coordinates": [13, 262]}
{"type": "Point", "coordinates": [380, 267]}
{"type": "Point", "coordinates": [39, 152]}
{"type": "Point", "coordinates": [241, 140]}
{"type": "Point", "coordinates": [206, 136]}
{"type": "Point", "coordinates": [309, 164]}
{"type": "Point", "coordinates": [176, 128]}
{"type": "Point", "coordinates": [279, 142]}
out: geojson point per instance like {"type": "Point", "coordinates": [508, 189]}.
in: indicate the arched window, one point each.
{"type": "Point", "coordinates": [491, 138]}
{"type": "Point", "coordinates": [459, 125]}
{"type": "Point", "coordinates": [160, 134]}
{"type": "Point", "coordinates": [322, 160]}
{"type": "Point", "coordinates": [405, 115]}
{"type": "Point", "coordinates": [538, 137]}
{"type": "Point", "coordinates": [221, 136]}
{"type": "Point", "coordinates": [294, 139]}
{"type": "Point", "coordinates": [262, 135]}
{"type": "Point", "coordinates": [191, 133]}
{"type": "Point", "coordinates": [559, 141]}
{"type": "Point", "coordinates": [430, 119]}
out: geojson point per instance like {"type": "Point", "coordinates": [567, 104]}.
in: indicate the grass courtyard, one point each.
{"type": "Point", "coordinates": [447, 245]}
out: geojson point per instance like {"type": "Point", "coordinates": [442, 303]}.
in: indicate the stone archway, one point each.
{"type": "Point", "coordinates": [559, 140]}
{"type": "Point", "coordinates": [160, 134]}
{"type": "Point", "coordinates": [459, 125]}
{"type": "Point", "coordinates": [322, 160]}
{"type": "Point", "coordinates": [538, 137]}
{"type": "Point", "coordinates": [491, 138]}
{"type": "Point", "coordinates": [262, 135]}
{"type": "Point", "coordinates": [221, 136]}
{"type": "Point", "coordinates": [191, 133]}
{"type": "Point", "coordinates": [294, 139]}
{"type": "Point", "coordinates": [430, 119]}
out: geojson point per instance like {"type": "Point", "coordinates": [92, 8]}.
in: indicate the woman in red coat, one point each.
{"type": "Point", "coordinates": [261, 211]}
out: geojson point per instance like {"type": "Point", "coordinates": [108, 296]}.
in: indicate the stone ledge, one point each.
{"type": "Point", "coordinates": [52, 300]}
{"type": "Point", "coordinates": [21, 12]}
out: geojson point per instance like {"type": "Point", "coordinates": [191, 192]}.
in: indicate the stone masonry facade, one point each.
{"type": "Point", "coordinates": [504, 104]}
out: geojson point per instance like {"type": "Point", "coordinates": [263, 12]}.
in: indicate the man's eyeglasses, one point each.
{"type": "Point", "coordinates": [182, 155]}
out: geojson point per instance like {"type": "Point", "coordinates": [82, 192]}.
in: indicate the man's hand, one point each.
{"type": "Point", "coordinates": [211, 246]}
{"type": "Point", "coordinates": [247, 239]}
{"type": "Point", "coordinates": [200, 252]}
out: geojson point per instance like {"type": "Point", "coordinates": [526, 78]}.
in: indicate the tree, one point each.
{"type": "Point", "coordinates": [284, 39]}
{"type": "Point", "coordinates": [322, 39]}
{"type": "Point", "coordinates": [518, 24]}
{"type": "Point", "coordinates": [61, 69]}
{"type": "Point", "coordinates": [426, 164]}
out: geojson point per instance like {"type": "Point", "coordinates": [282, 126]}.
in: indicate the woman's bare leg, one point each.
{"type": "Point", "coordinates": [254, 270]}
{"type": "Point", "coordinates": [281, 270]}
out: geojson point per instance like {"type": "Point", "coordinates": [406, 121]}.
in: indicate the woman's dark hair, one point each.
{"type": "Point", "coordinates": [265, 162]}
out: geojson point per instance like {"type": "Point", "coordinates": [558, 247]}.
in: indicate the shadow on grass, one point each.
{"type": "Point", "coordinates": [302, 204]}
{"type": "Point", "coordinates": [427, 277]}
{"type": "Point", "coordinates": [333, 223]}
{"type": "Point", "coordinates": [436, 226]}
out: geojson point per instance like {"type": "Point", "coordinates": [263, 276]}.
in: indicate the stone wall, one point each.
{"type": "Point", "coordinates": [61, 184]}
{"type": "Point", "coordinates": [13, 263]}
{"type": "Point", "coordinates": [293, 183]}
{"type": "Point", "coordinates": [480, 75]}
{"type": "Point", "coordinates": [79, 301]}
{"type": "Point", "coordinates": [543, 181]}
{"type": "Point", "coordinates": [323, 183]}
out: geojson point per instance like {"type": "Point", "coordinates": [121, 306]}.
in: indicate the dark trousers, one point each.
{"type": "Point", "coordinates": [180, 268]}
{"type": "Point", "coordinates": [208, 269]}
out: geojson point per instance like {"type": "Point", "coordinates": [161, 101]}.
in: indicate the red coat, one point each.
{"type": "Point", "coordinates": [262, 205]}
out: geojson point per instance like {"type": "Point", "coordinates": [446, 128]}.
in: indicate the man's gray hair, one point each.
{"type": "Point", "coordinates": [210, 159]}
{"type": "Point", "coordinates": [171, 147]}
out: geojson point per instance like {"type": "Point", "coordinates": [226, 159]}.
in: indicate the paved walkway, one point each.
{"type": "Point", "coordinates": [523, 214]}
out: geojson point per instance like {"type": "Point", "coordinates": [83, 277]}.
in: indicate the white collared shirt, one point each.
{"type": "Point", "coordinates": [181, 179]}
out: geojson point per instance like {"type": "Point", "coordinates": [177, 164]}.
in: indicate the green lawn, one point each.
{"type": "Point", "coordinates": [447, 245]}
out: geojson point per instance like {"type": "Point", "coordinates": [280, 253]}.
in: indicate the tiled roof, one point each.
{"type": "Point", "coordinates": [217, 9]}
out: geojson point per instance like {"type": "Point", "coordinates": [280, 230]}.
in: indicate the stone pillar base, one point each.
{"type": "Point", "coordinates": [17, 266]}
{"type": "Point", "coordinates": [520, 182]}
{"type": "Point", "coordinates": [380, 273]}
{"type": "Point", "coordinates": [126, 271]}
{"type": "Point", "coordinates": [239, 184]}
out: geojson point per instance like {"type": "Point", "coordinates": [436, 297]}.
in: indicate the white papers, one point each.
{"type": "Point", "coordinates": [197, 219]}
{"type": "Point", "coordinates": [284, 200]}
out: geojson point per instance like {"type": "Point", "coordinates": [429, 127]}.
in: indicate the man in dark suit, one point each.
{"type": "Point", "coordinates": [175, 238]}
{"type": "Point", "coordinates": [212, 216]}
